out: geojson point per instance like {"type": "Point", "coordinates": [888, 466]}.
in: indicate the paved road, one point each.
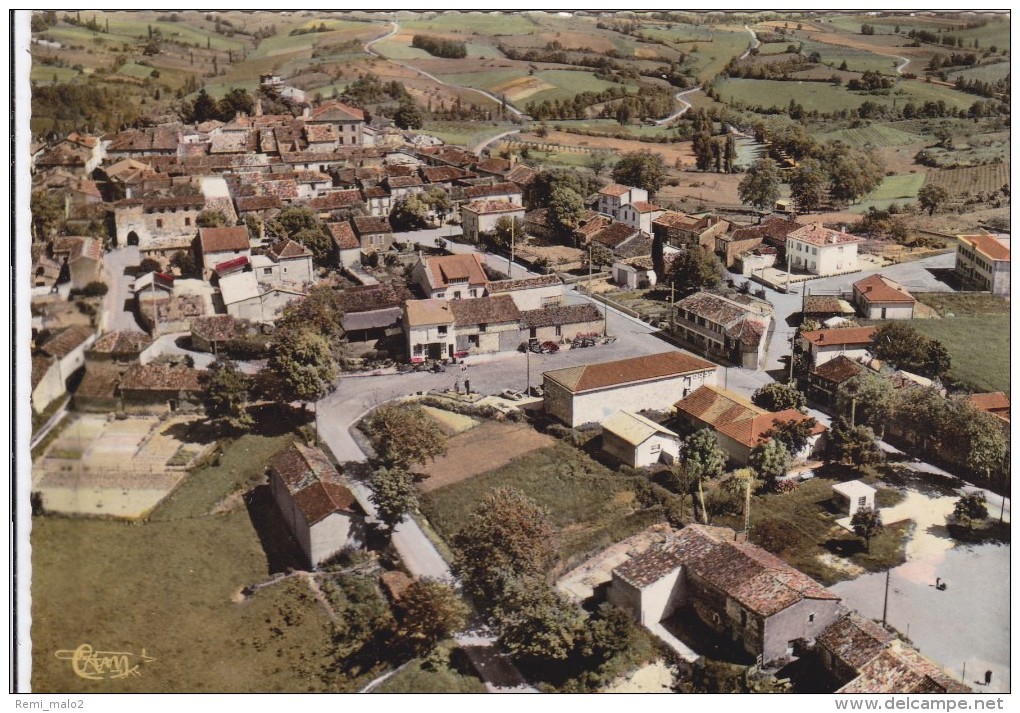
{"type": "Point", "coordinates": [683, 109]}
{"type": "Point", "coordinates": [480, 146]}
{"type": "Point", "coordinates": [115, 318]}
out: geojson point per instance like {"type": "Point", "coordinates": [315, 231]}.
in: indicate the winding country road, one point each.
{"type": "Point", "coordinates": [396, 28]}
{"type": "Point", "coordinates": [683, 109]}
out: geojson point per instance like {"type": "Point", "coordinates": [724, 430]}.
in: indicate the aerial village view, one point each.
{"type": "Point", "coordinates": [467, 352]}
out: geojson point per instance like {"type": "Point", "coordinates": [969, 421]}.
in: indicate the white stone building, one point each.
{"type": "Point", "coordinates": [638, 441]}
{"type": "Point", "coordinates": [821, 251]}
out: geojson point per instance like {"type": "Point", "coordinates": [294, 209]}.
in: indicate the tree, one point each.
{"type": "Point", "coordinates": [320, 311]}
{"type": "Point", "coordinates": [408, 116]}
{"type": "Point", "coordinates": [393, 495]}
{"type": "Point", "coordinates": [852, 445]}
{"type": "Point", "coordinates": [430, 611]}
{"type": "Point", "coordinates": [769, 459]}
{"type": "Point", "coordinates": [438, 201]}
{"type": "Point", "coordinates": [236, 101]}
{"type": "Point", "coordinates": [303, 360]}
{"type": "Point", "coordinates": [185, 262]}
{"type": "Point", "coordinates": [211, 219]}
{"type": "Point", "coordinates": [982, 447]}
{"type": "Point", "coordinates": [702, 459]}
{"type": "Point", "coordinates": [410, 213]}
{"type": "Point", "coordinates": [695, 269]}
{"type": "Point", "coordinates": [598, 162]}
{"type": "Point", "coordinates": [852, 174]}
{"type": "Point", "coordinates": [536, 623]}
{"type": "Point", "coordinates": [774, 534]}
{"type": "Point", "coordinates": [228, 391]}
{"type": "Point", "coordinates": [47, 214]}
{"type": "Point", "coordinates": [932, 197]}
{"type": "Point", "coordinates": [150, 264]}
{"type": "Point", "coordinates": [203, 108]}
{"type": "Point", "coordinates": [970, 507]}
{"type": "Point", "coordinates": [509, 535]}
{"type": "Point", "coordinates": [566, 209]}
{"type": "Point", "coordinates": [867, 523]}
{"type": "Point", "coordinates": [923, 414]}
{"type": "Point", "coordinates": [906, 348]}
{"type": "Point", "coordinates": [598, 255]}
{"type": "Point", "coordinates": [95, 288]}
{"type": "Point", "coordinates": [405, 435]}
{"type": "Point", "coordinates": [867, 398]}
{"type": "Point", "coordinates": [760, 186]}
{"type": "Point", "coordinates": [317, 241]}
{"type": "Point", "coordinates": [641, 169]}
{"type": "Point", "coordinates": [793, 434]}
{"type": "Point", "coordinates": [779, 397]}
{"type": "Point", "coordinates": [507, 230]}
{"type": "Point", "coordinates": [807, 186]}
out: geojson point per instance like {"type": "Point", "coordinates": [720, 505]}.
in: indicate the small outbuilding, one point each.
{"type": "Point", "coordinates": [854, 495]}
{"type": "Point", "coordinates": [638, 441]}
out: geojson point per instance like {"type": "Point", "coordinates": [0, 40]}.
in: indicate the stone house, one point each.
{"type": "Point", "coordinates": [348, 121]}
{"type": "Point", "coordinates": [735, 588]}
{"type": "Point", "coordinates": [849, 644]}
{"type": "Point", "coordinates": [590, 393]}
{"type": "Point", "coordinates": [481, 216]}
{"type": "Point", "coordinates": [818, 250]}
{"type": "Point", "coordinates": [683, 230]}
{"type": "Point", "coordinates": [68, 348]}
{"type": "Point", "coordinates": [724, 325]}
{"type": "Point", "coordinates": [639, 215]}
{"type": "Point", "coordinates": [823, 381]}
{"type": "Point", "coordinates": [730, 247]}
{"type": "Point", "coordinates": [211, 333]}
{"type": "Point", "coordinates": [897, 668]}
{"type": "Point", "coordinates": [561, 323]}
{"type": "Point", "coordinates": [373, 312]}
{"type": "Point", "coordinates": [486, 324]}
{"type": "Point", "coordinates": [635, 273]}
{"type": "Point", "coordinates": [346, 246]}
{"type": "Point", "coordinates": [218, 245]}
{"type": "Point", "coordinates": [244, 297]}
{"type": "Point", "coordinates": [428, 325]}
{"type": "Point", "coordinates": [737, 424]}
{"type": "Point", "coordinates": [315, 502]}
{"type": "Point", "coordinates": [286, 262]}
{"type": "Point", "coordinates": [878, 297]}
{"type": "Point", "coordinates": [982, 263]}
{"type": "Point", "coordinates": [637, 441]}
{"type": "Point", "coordinates": [614, 197]}
{"type": "Point", "coordinates": [83, 257]}
{"type": "Point", "coordinates": [825, 344]}
{"type": "Point", "coordinates": [158, 225]}
{"type": "Point", "coordinates": [374, 233]}
{"type": "Point", "coordinates": [158, 388]}
{"type": "Point", "coordinates": [451, 277]}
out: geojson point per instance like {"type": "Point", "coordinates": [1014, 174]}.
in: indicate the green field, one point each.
{"type": "Point", "coordinates": [569, 82]}
{"type": "Point", "coordinates": [893, 189]}
{"type": "Point", "coordinates": [475, 23]}
{"type": "Point", "coordinates": [983, 72]}
{"type": "Point", "coordinates": [856, 60]}
{"type": "Point", "coordinates": [138, 71]}
{"type": "Point", "coordinates": [963, 303]}
{"type": "Point", "coordinates": [874, 135]}
{"type": "Point", "coordinates": [458, 677]}
{"type": "Point", "coordinates": [979, 346]}
{"type": "Point", "coordinates": [475, 49]}
{"type": "Point", "coordinates": [399, 50]}
{"type": "Point", "coordinates": [823, 97]}
{"type": "Point", "coordinates": [590, 505]}
{"type": "Point", "coordinates": [707, 59]}
{"type": "Point", "coordinates": [464, 133]}
{"type": "Point", "coordinates": [486, 79]}
{"type": "Point", "coordinates": [45, 74]}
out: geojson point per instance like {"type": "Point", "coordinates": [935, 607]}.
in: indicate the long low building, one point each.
{"type": "Point", "coordinates": [593, 392]}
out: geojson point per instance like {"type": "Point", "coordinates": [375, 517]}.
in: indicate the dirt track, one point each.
{"type": "Point", "coordinates": [480, 449]}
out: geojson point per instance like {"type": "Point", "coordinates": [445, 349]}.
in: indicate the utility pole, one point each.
{"type": "Point", "coordinates": [792, 339]}
{"type": "Point", "coordinates": [885, 604]}
{"type": "Point", "coordinates": [527, 352]}
{"type": "Point", "coordinates": [853, 412]}
{"type": "Point", "coordinates": [788, 258]}
{"type": "Point", "coordinates": [510, 265]}
{"type": "Point", "coordinates": [1002, 510]}
{"type": "Point", "coordinates": [672, 306]}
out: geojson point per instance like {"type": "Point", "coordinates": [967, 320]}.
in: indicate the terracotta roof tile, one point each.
{"type": "Point", "coordinates": [992, 401]}
{"type": "Point", "coordinates": [818, 234]}
{"type": "Point", "coordinates": [214, 240]}
{"type": "Point", "coordinates": [561, 315]}
{"type": "Point", "coordinates": [125, 343]}
{"type": "Point", "coordinates": [854, 640]}
{"type": "Point", "coordinates": [877, 288]}
{"type": "Point", "coordinates": [287, 249]}
{"type": "Point", "coordinates": [40, 365]}
{"type": "Point", "coordinates": [987, 245]}
{"type": "Point", "coordinates": [371, 225]}
{"type": "Point", "coordinates": [847, 335]}
{"type": "Point", "coordinates": [335, 200]}
{"type": "Point", "coordinates": [628, 371]}
{"type": "Point", "coordinates": [160, 377]}
{"type": "Point", "coordinates": [67, 341]}
{"type": "Point", "coordinates": [614, 189]}
{"type": "Point", "coordinates": [343, 236]}
{"type": "Point", "coordinates": [523, 283]}
{"type": "Point", "coordinates": [314, 483]}
{"type": "Point", "coordinates": [838, 370]}
{"type": "Point", "coordinates": [467, 268]}
{"type": "Point", "coordinates": [485, 310]}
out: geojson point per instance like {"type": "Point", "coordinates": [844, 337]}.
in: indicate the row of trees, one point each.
{"type": "Point", "coordinates": [440, 47]}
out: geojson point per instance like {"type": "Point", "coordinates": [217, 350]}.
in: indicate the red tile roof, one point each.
{"type": "Point", "coordinates": [121, 343]}
{"type": "Point", "coordinates": [336, 111]}
{"type": "Point", "coordinates": [67, 341]}
{"type": "Point", "coordinates": [159, 377]}
{"type": "Point", "coordinates": [446, 268]}
{"type": "Point", "coordinates": [854, 640]}
{"type": "Point", "coordinates": [286, 249]}
{"type": "Point", "coordinates": [335, 199]}
{"type": "Point", "coordinates": [818, 234]}
{"type": "Point", "coordinates": [215, 240]}
{"type": "Point", "coordinates": [494, 206]}
{"type": "Point", "coordinates": [838, 370]}
{"type": "Point", "coordinates": [881, 289]}
{"type": "Point", "coordinates": [496, 189]}
{"type": "Point", "coordinates": [736, 417]}
{"type": "Point", "coordinates": [371, 225]}
{"type": "Point", "coordinates": [40, 365]}
{"type": "Point", "coordinates": [499, 309]}
{"type": "Point", "coordinates": [614, 235]}
{"type": "Point", "coordinates": [314, 483]}
{"type": "Point", "coordinates": [900, 669]}
{"type": "Point", "coordinates": [987, 245]}
{"type": "Point", "coordinates": [614, 189]}
{"type": "Point", "coordinates": [992, 401]}
{"type": "Point", "coordinates": [847, 335]}
{"type": "Point", "coordinates": [624, 372]}
{"type": "Point", "coordinates": [343, 236]}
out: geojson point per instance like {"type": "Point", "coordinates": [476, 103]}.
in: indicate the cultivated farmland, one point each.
{"type": "Point", "coordinates": [978, 179]}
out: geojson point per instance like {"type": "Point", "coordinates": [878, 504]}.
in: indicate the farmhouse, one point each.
{"type": "Point", "coordinates": [217, 245]}
{"type": "Point", "coordinates": [451, 277]}
{"type": "Point", "coordinates": [824, 381]}
{"type": "Point", "coordinates": [638, 441]}
{"type": "Point", "coordinates": [428, 325]}
{"type": "Point", "coordinates": [319, 509]}
{"type": "Point", "coordinates": [245, 298]}
{"type": "Point", "coordinates": [982, 263]}
{"type": "Point", "coordinates": [878, 297]}
{"type": "Point", "coordinates": [482, 216]}
{"type": "Point", "coordinates": [682, 230]}
{"type": "Point", "coordinates": [591, 393]}
{"type": "Point", "coordinates": [372, 312]}
{"type": "Point", "coordinates": [530, 292]}
{"type": "Point", "coordinates": [486, 324]}
{"type": "Point", "coordinates": [68, 348]}
{"type": "Point", "coordinates": [820, 251]}
{"type": "Point", "coordinates": [157, 388]}
{"type": "Point", "coordinates": [561, 323]}
{"type": "Point", "coordinates": [735, 588]}
{"type": "Point", "coordinates": [728, 325]}
{"type": "Point", "coordinates": [614, 197]}
{"type": "Point", "coordinates": [739, 425]}
{"type": "Point", "coordinates": [825, 344]}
